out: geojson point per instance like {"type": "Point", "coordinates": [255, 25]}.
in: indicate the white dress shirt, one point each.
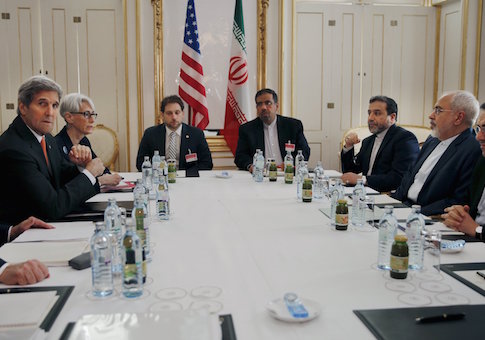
{"type": "Point", "coordinates": [178, 133]}
{"type": "Point", "coordinates": [375, 148]}
{"type": "Point", "coordinates": [427, 167]}
{"type": "Point", "coordinates": [271, 142]}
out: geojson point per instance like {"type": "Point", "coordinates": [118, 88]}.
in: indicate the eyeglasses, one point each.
{"type": "Point", "coordinates": [86, 114]}
{"type": "Point", "coordinates": [438, 110]}
{"type": "Point", "coordinates": [479, 129]}
{"type": "Point", "coordinates": [266, 103]}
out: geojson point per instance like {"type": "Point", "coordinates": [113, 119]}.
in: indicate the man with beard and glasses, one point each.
{"type": "Point", "coordinates": [385, 155]}
{"type": "Point", "coordinates": [442, 173]}
{"type": "Point", "coordinates": [470, 218]}
{"type": "Point", "coordinates": [269, 132]}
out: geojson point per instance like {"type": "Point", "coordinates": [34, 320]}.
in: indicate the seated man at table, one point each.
{"type": "Point", "coordinates": [385, 155]}
{"type": "Point", "coordinates": [36, 179]}
{"type": "Point", "coordinates": [442, 173]}
{"type": "Point", "coordinates": [269, 132]}
{"type": "Point", "coordinates": [28, 272]}
{"type": "Point", "coordinates": [470, 219]}
{"type": "Point", "coordinates": [175, 139]}
{"type": "Point", "coordinates": [78, 112]}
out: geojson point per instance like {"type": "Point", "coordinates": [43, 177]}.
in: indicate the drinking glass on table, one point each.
{"type": "Point", "coordinates": [369, 210]}
{"type": "Point", "coordinates": [432, 246]}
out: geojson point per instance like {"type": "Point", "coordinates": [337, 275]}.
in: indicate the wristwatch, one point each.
{"type": "Point", "coordinates": [478, 232]}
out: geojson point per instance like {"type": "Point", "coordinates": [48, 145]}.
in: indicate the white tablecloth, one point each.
{"type": "Point", "coordinates": [256, 242]}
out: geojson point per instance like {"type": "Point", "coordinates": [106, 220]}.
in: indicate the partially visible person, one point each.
{"type": "Point", "coordinates": [470, 218]}
{"type": "Point", "coordinates": [442, 173]}
{"type": "Point", "coordinates": [78, 112]}
{"type": "Point", "coordinates": [9, 233]}
{"type": "Point", "coordinates": [36, 179]}
{"type": "Point", "coordinates": [175, 139]}
{"type": "Point", "coordinates": [269, 132]}
{"type": "Point", "coordinates": [28, 272]}
{"type": "Point", "coordinates": [385, 155]}
{"type": "Point", "coordinates": [25, 273]}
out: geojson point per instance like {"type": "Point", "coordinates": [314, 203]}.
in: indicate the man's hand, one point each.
{"type": "Point", "coordinates": [351, 139]}
{"type": "Point", "coordinates": [95, 167]}
{"type": "Point", "coordinates": [80, 155]}
{"type": "Point", "coordinates": [24, 273]}
{"type": "Point", "coordinates": [349, 178]}
{"type": "Point", "coordinates": [31, 222]}
{"type": "Point", "coordinates": [251, 168]}
{"type": "Point", "coordinates": [458, 218]}
{"type": "Point", "coordinates": [109, 179]}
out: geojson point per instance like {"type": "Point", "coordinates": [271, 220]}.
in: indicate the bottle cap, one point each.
{"type": "Point", "coordinates": [400, 238]}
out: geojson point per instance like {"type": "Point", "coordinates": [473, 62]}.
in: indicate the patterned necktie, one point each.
{"type": "Point", "coordinates": [43, 146]}
{"type": "Point", "coordinates": [172, 146]}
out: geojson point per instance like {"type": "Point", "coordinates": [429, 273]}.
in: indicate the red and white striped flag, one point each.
{"type": "Point", "coordinates": [237, 100]}
{"type": "Point", "coordinates": [191, 86]}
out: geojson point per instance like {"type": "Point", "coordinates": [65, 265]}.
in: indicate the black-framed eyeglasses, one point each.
{"type": "Point", "coordinates": [266, 103]}
{"type": "Point", "coordinates": [479, 128]}
{"type": "Point", "coordinates": [86, 114]}
{"type": "Point", "coordinates": [438, 110]}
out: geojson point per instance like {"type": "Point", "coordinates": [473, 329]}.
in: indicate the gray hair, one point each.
{"type": "Point", "coordinates": [34, 85]}
{"type": "Point", "coordinates": [72, 103]}
{"type": "Point", "coordinates": [465, 101]}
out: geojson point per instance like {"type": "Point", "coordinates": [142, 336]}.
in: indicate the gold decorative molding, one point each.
{"type": "Point", "coordinates": [464, 33]}
{"type": "Point", "coordinates": [158, 55]}
{"type": "Point", "coordinates": [139, 71]}
{"type": "Point", "coordinates": [127, 85]}
{"type": "Point", "coordinates": [478, 47]}
{"type": "Point", "coordinates": [262, 13]}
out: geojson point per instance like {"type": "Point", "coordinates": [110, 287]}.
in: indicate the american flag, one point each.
{"type": "Point", "coordinates": [191, 86]}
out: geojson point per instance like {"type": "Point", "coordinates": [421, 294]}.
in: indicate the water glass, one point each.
{"type": "Point", "coordinates": [369, 210]}
{"type": "Point", "coordinates": [432, 243]}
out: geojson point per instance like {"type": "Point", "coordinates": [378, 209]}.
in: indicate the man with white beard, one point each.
{"type": "Point", "coordinates": [442, 173]}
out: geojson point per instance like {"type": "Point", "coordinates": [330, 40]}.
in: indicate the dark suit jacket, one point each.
{"type": "Point", "coordinates": [3, 234]}
{"type": "Point", "coordinates": [448, 182]}
{"type": "Point", "coordinates": [192, 138]}
{"type": "Point", "coordinates": [29, 187]}
{"type": "Point", "coordinates": [65, 144]}
{"type": "Point", "coordinates": [397, 153]}
{"type": "Point", "coordinates": [251, 137]}
{"type": "Point", "coordinates": [476, 189]}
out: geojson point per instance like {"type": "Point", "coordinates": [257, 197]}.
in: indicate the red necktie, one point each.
{"type": "Point", "coordinates": [42, 145]}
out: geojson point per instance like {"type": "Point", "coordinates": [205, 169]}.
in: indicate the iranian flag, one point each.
{"type": "Point", "coordinates": [237, 100]}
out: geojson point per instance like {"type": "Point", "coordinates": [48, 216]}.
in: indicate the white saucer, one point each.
{"type": "Point", "coordinates": [278, 310]}
{"type": "Point", "coordinates": [223, 175]}
{"type": "Point", "coordinates": [448, 246]}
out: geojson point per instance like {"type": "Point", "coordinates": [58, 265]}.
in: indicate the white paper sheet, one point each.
{"type": "Point", "coordinates": [52, 254]}
{"type": "Point", "coordinates": [64, 231]}
{"type": "Point", "coordinates": [25, 309]}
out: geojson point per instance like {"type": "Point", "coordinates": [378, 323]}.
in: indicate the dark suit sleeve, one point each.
{"type": "Point", "coordinates": [243, 157]}
{"type": "Point", "coordinates": [348, 164]}
{"type": "Point", "coordinates": [2, 262]}
{"type": "Point", "coordinates": [405, 155]}
{"type": "Point", "coordinates": [460, 187]}
{"type": "Point", "coordinates": [301, 142]}
{"type": "Point", "coordinates": [40, 196]}
{"type": "Point", "coordinates": [4, 233]}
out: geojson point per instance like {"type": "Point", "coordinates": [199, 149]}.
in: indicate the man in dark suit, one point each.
{"type": "Point", "coordinates": [174, 139]}
{"type": "Point", "coordinates": [470, 219]}
{"type": "Point", "coordinates": [269, 132]}
{"type": "Point", "coordinates": [442, 173]}
{"type": "Point", "coordinates": [386, 155]}
{"type": "Point", "coordinates": [36, 179]}
{"type": "Point", "coordinates": [28, 272]}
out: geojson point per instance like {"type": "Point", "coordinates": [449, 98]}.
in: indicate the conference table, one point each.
{"type": "Point", "coordinates": [255, 242]}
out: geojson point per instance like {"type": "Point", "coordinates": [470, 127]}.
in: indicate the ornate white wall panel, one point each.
{"type": "Point", "coordinates": [450, 48]}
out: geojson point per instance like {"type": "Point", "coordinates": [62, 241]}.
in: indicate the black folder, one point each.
{"type": "Point", "coordinates": [400, 323]}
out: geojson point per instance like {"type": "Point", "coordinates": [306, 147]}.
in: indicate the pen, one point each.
{"type": "Point", "coordinates": [481, 275]}
{"type": "Point", "coordinates": [16, 290]}
{"type": "Point", "coordinates": [439, 318]}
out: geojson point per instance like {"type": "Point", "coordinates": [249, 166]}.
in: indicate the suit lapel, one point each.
{"type": "Point", "coordinates": [423, 155]}
{"type": "Point", "coordinates": [184, 144]}
{"type": "Point", "coordinates": [161, 140]}
{"type": "Point", "coordinates": [367, 152]}
{"type": "Point", "coordinates": [260, 135]}
{"type": "Point", "coordinates": [390, 133]}
{"type": "Point", "coordinates": [478, 186]}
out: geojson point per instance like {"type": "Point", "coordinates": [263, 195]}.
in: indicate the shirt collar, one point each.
{"type": "Point", "coordinates": [178, 131]}
{"type": "Point", "coordinates": [382, 134]}
{"type": "Point", "coordinates": [448, 141]}
{"type": "Point", "coordinates": [36, 135]}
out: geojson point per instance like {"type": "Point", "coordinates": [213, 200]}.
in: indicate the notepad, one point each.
{"type": "Point", "coordinates": [25, 309]}
{"type": "Point", "coordinates": [72, 231]}
{"type": "Point", "coordinates": [52, 254]}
